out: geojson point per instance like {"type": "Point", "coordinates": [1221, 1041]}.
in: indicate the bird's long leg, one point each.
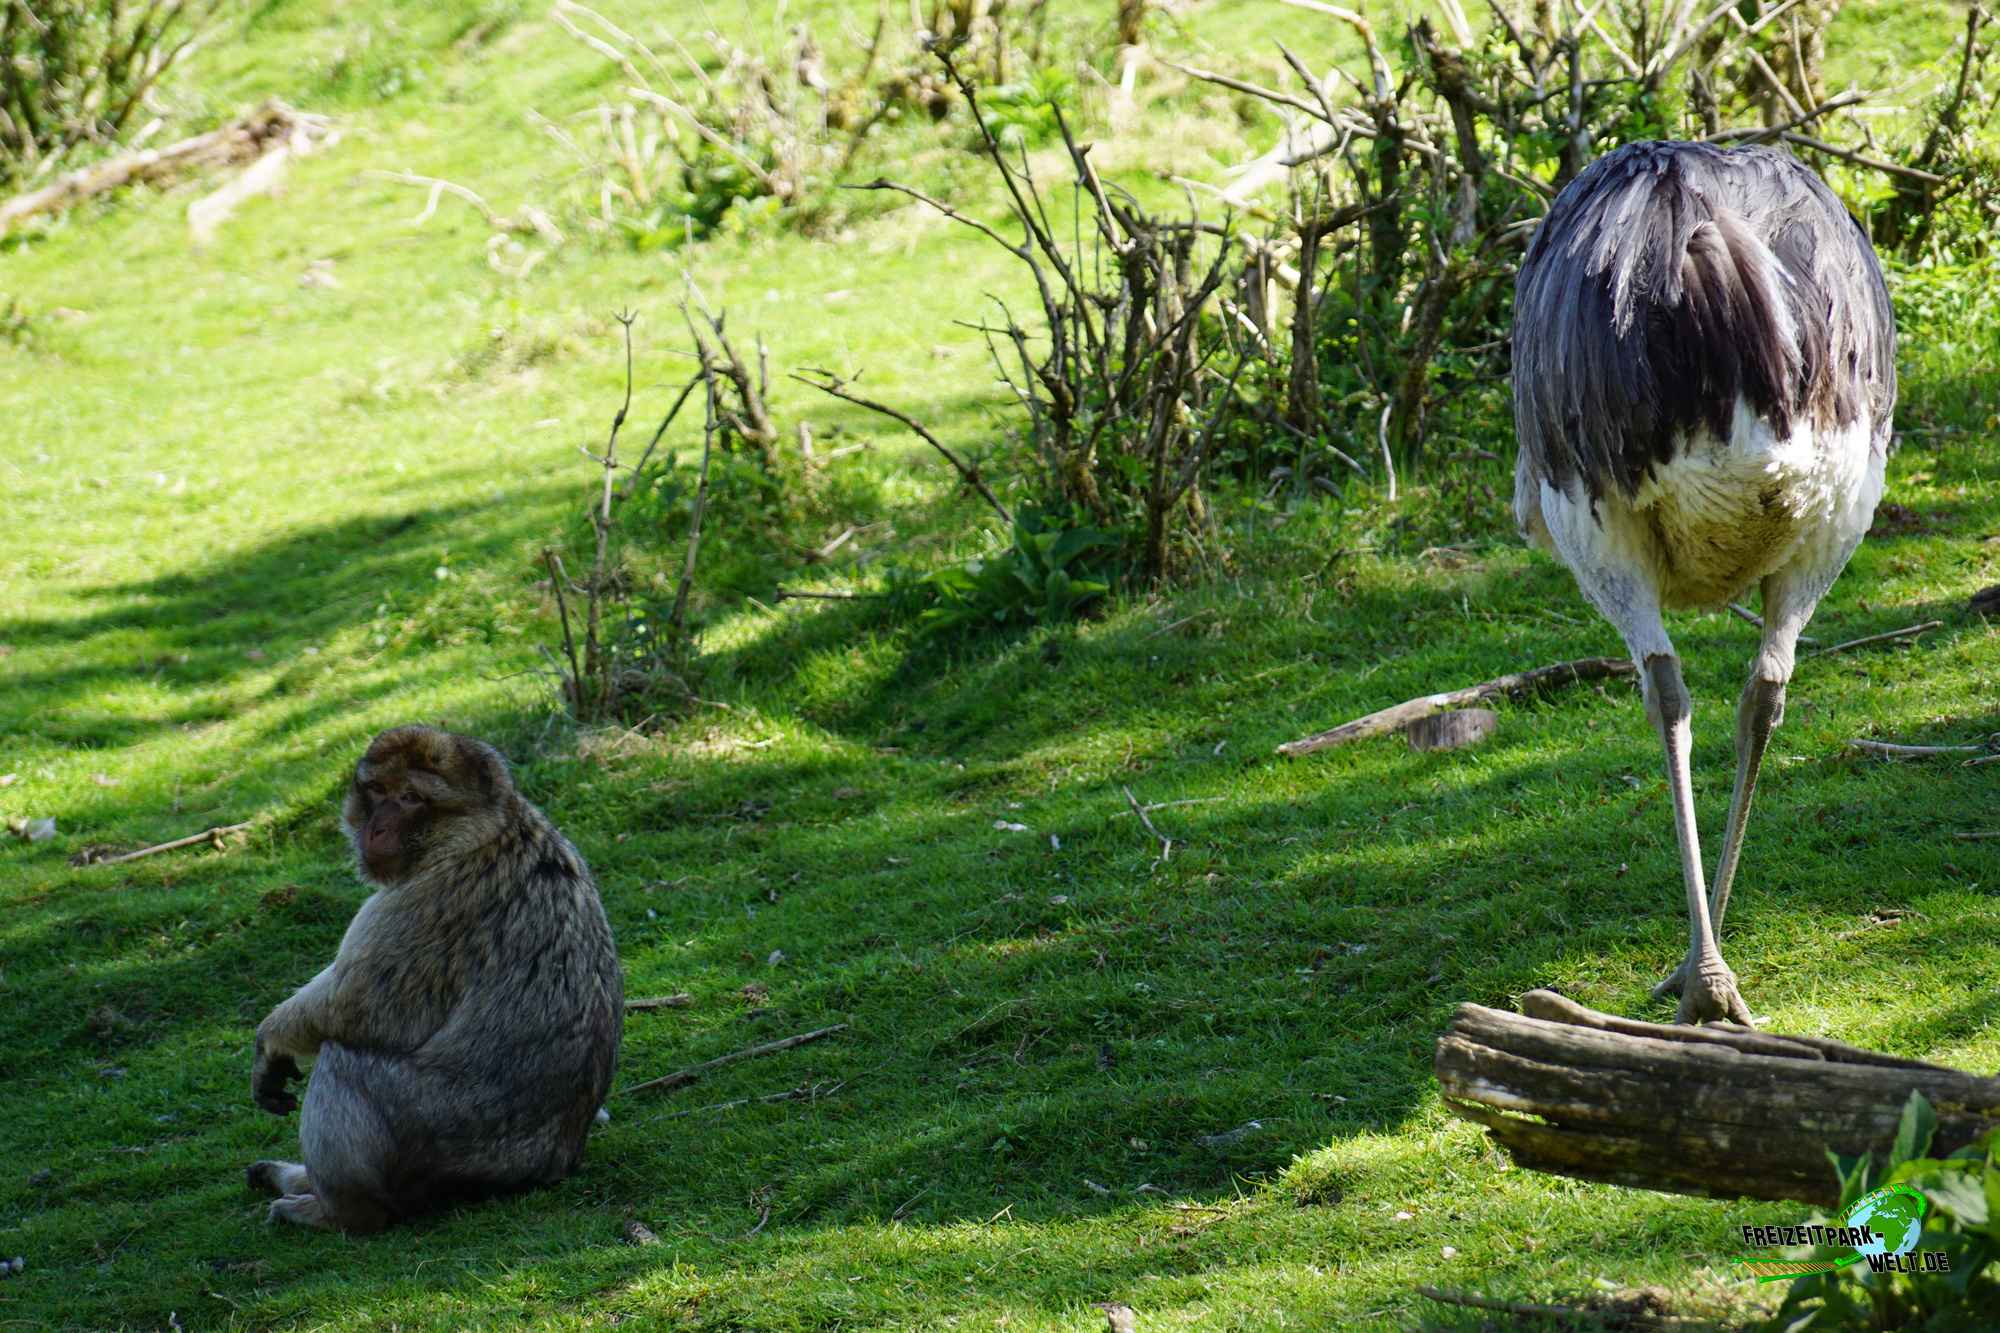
{"type": "Point", "coordinates": [1708, 987]}
{"type": "Point", "coordinates": [1607, 553]}
{"type": "Point", "coordinates": [1758, 713]}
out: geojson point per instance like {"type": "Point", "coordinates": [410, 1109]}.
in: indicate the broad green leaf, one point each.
{"type": "Point", "coordinates": [1913, 1132]}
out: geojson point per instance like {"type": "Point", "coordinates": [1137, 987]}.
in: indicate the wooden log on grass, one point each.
{"type": "Point", "coordinates": [1519, 683]}
{"type": "Point", "coordinates": [1717, 1110]}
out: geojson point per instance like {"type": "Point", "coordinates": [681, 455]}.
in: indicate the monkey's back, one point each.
{"type": "Point", "coordinates": [497, 1039]}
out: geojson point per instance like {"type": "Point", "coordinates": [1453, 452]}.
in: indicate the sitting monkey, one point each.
{"type": "Point", "coordinates": [466, 1031]}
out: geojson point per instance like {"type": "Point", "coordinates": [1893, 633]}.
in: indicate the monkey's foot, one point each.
{"type": "Point", "coordinates": [304, 1210]}
{"type": "Point", "coordinates": [272, 1177]}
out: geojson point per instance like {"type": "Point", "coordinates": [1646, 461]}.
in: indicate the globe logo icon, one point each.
{"type": "Point", "coordinates": [1895, 1214]}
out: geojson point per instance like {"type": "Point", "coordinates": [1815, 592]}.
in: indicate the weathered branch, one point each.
{"type": "Point", "coordinates": [1891, 750]}
{"type": "Point", "coordinates": [1717, 1110]}
{"type": "Point", "coordinates": [263, 130]}
{"type": "Point", "coordinates": [1863, 160]}
{"type": "Point", "coordinates": [1386, 720]}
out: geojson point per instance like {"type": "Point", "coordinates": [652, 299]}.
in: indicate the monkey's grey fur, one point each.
{"type": "Point", "coordinates": [466, 1032]}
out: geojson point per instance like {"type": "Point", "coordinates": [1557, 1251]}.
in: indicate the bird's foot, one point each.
{"type": "Point", "coordinates": [1672, 983]}
{"type": "Point", "coordinates": [1708, 992]}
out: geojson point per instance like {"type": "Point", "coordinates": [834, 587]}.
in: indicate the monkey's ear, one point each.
{"type": "Point", "coordinates": [484, 765]}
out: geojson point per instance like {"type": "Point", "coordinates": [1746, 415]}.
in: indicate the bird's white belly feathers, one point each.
{"type": "Point", "coordinates": [1724, 513]}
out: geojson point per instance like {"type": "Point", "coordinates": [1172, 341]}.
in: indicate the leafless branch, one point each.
{"type": "Point", "coordinates": [680, 1078]}
{"type": "Point", "coordinates": [1166, 843]}
{"type": "Point", "coordinates": [680, 1000]}
{"type": "Point", "coordinates": [1908, 631]}
{"type": "Point", "coordinates": [836, 388]}
{"type": "Point", "coordinates": [212, 836]}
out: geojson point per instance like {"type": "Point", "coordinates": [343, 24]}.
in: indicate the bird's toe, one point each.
{"type": "Point", "coordinates": [1710, 996]}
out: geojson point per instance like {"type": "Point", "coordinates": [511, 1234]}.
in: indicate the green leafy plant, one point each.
{"type": "Point", "coordinates": [1044, 577]}
{"type": "Point", "coordinates": [1963, 1221]}
{"type": "Point", "coordinates": [1025, 113]}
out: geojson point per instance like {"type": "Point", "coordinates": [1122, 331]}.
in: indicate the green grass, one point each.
{"type": "Point", "coordinates": [252, 522]}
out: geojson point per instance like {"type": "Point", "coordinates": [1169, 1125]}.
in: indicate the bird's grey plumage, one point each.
{"type": "Point", "coordinates": [1704, 374]}
{"type": "Point", "coordinates": [1670, 279]}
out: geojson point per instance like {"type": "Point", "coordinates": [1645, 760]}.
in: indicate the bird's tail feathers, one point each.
{"type": "Point", "coordinates": [1739, 329]}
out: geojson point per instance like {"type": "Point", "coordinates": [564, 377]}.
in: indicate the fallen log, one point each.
{"type": "Point", "coordinates": [271, 128]}
{"type": "Point", "coordinates": [1719, 1110]}
{"type": "Point", "coordinates": [1386, 720]}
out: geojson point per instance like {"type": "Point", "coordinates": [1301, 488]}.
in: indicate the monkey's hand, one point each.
{"type": "Point", "coordinates": [268, 1077]}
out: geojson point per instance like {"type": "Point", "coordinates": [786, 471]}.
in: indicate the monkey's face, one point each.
{"type": "Point", "coordinates": [413, 787]}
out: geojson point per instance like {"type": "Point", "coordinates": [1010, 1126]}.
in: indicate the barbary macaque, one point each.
{"type": "Point", "coordinates": [466, 1031]}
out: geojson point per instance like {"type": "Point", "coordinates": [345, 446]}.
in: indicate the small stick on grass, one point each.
{"type": "Point", "coordinates": [1893, 750]}
{"type": "Point", "coordinates": [1908, 631]}
{"type": "Point", "coordinates": [805, 1092]}
{"type": "Point", "coordinates": [1387, 720]}
{"type": "Point", "coordinates": [1986, 836]}
{"type": "Point", "coordinates": [1184, 620]}
{"type": "Point", "coordinates": [556, 580]}
{"type": "Point", "coordinates": [1166, 843]}
{"type": "Point", "coordinates": [682, 1000]}
{"type": "Point", "coordinates": [214, 835]}
{"type": "Point", "coordinates": [680, 1078]}
{"type": "Point", "coordinates": [1151, 806]}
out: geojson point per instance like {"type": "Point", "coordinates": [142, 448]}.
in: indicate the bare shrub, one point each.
{"type": "Point", "coordinates": [1119, 382]}
{"type": "Point", "coordinates": [1423, 166]}
{"type": "Point", "coordinates": [76, 72]}
{"type": "Point", "coordinates": [620, 654]}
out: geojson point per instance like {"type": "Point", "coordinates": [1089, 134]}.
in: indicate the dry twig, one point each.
{"type": "Point", "coordinates": [677, 1001]}
{"type": "Point", "coordinates": [530, 220]}
{"type": "Point", "coordinates": [213, 836]}
{"type": "Point", "coordinates": [680, 1078]}
{"type": "Point", "coordinates": [805, 1092]}
{"type": "Point", "coordinates": [1603, 1318]}
{"type": "Point", "coordinates": [1166, 843]}
{"type": "Point", "coordinates": [836, 595]}
{"type": "Point", "coordinates": [1908, 631]}
{"type": "Point", "coordinates": [1894, 750]}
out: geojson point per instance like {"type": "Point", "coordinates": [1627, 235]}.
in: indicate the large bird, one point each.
{"type": "Point", "coordinates": [1704, 373]}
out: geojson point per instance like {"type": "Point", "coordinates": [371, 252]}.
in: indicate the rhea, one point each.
{"type": "Point", "coordinates": [1704, 373]}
